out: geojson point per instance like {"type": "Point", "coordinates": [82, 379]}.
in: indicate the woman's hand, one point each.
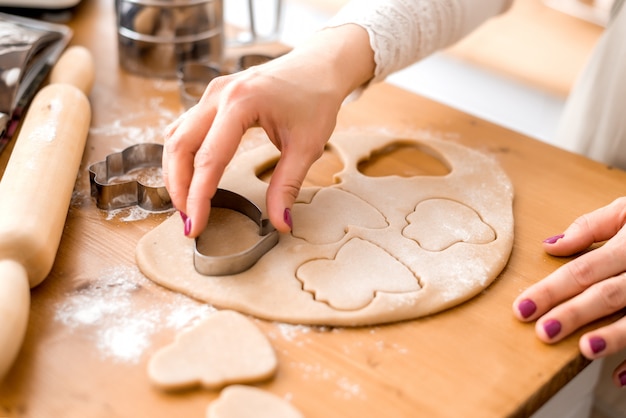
{"type": "Point", "coordinates": [590, 287]}
{"type": "Point", "coordinates": [294, 98]}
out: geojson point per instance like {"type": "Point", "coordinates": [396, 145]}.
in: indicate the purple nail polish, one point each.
{"type": "Point", "coordinates": [287, 218]}
{"type": "Point", "coordinates": [553, 239]}
{"type": "Point", "coordinates": [552, 327]}
{"type": "Point", "coordinates": [597, 344]}
{"type": "Point", "coordinates": [187, 226]}
{"type": "Point", "coordinates": [527, 308]}
{"type": "Point", "coordinates": [622, 378]}
{"type": "Point", "coordinates": [183, 216]}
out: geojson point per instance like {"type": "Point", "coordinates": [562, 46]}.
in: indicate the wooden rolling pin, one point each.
{"type": "Point", "coordinates": [36, 189]}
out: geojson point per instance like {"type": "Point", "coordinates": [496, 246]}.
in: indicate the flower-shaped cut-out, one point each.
{"type": "Point", "coordinates": [330, 213]}
{"type": "Point", "coordinates": [437, 224]}
{"type": "Point", "coordinates": [351, 280]}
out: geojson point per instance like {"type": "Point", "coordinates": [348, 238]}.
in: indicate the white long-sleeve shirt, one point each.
{"type": "Point", "coordinates": [404, 31]}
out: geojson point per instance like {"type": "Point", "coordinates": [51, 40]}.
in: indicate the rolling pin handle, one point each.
{"type": "Point", "coordinates": [14, 305]}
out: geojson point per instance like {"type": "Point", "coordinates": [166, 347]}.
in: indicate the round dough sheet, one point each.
{"type": "Point", "coordinates": [365, 250]}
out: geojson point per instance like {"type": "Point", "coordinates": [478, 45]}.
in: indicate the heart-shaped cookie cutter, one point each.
{"type": "Point", "coordinates": [114, 188]}
{"type": "Point", "coordinates": [241, 261]}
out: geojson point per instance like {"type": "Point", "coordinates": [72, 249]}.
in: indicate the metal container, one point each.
{"type": "Point", "coordinates": [156, 36]}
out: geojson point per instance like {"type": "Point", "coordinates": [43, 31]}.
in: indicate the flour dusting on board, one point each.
{"type": "Point", "coordinates": [106, 309]}
{"type": "Point", "coordinates": [130, 214]}
{"type": "Point", "coordinates": [344, 388]}
{"type": "Point", "coordinates": [133, 128]}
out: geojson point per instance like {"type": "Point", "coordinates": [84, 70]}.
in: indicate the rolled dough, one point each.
{"type": "Point", "coordinates": [365, 250]}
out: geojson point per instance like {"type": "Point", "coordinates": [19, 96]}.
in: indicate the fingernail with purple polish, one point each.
{"type": "Point", "coordinates": [527, 308]}
{"type": "Point", "coordinates": [287, 218]}
{"type": "Point", "coordinates": [552, 327]}
{"type": "Point", "coordinates": [183, 216]}
{"type": "Point", "coordinates": [597, 344]}
{"type": "Point", "coordinates": [187, 226]}
{"type": "Point", "coordinates": [622, 378]}
{"type": "Point", "coordinates": [553, 239]}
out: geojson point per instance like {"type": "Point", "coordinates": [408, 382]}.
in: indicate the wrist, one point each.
{"type": "Point", "coordinates": [343, 55]}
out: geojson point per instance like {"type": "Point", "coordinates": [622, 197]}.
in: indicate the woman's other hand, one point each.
{"type": "Point", "coordinates": [588, 288]}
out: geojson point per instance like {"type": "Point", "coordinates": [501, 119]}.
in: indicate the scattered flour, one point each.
{"type": "Point", "coordinates": [289, 332]}
{"type": "Point", "coordinates": [294, 333]}
{"type": "Point", "coordinates": [105, 308]}
{"type": "Point", "coordinates": [382, 345]}
{"type": "Point", "coordinates": [165, 85]}
{"type": "Point", "coordinates": [132, 128]}
{"type": "Point", "coordinates": [130, 214]}
{"type": "Point", "coordinates": [345, 388]}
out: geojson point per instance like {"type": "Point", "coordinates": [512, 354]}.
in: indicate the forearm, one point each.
{"type": "Point", "coordinates": [342, 57]}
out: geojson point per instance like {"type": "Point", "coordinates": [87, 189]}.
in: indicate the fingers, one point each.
{"type": "Point", "coordinates": [600, 300]}
{"type": "Point", "coordinates": [586, 270]}
{"type": "Point", "coordinates": [286, 182]}
{"type": "Point", "coordinates": [604, 298]}
{"type": "Point", "coordinates": [597, 226]}
{"type": "Point", "coordinates": [588, 288]}
{"type": "Point", "coordinates": [570, 280]}
{"type": "Point", "coordinates": [169, 132]}
{"type": "Point", "coordinates": [209, 164]}
{"type": "Point", "coordinates": [604, 341]}
{"type": "Point", "coordinates": [198, 146]}
{"type": "Point", "coordinates": [182, 140]}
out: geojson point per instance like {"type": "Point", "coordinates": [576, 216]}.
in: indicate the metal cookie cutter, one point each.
{"type": "Point", "coordinates": [130, 178]}
{"type": "Point", "coordinates": [237, 262]}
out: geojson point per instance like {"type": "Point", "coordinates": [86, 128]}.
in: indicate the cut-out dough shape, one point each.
{"type": "Point", "coordinates": [240, 401]}
{"type": "Point", "coordinates": [270, 288]}
{"type": "Point", "coordinates": [224, 348]}
{"type": "Point", "coordinates": [218, 239]}
{"type": "Point", "coordinates": [351, 280]}
{"type": "Point", "coordinates": [437, 224]}
{"type": "Point", "coordinates": [345, 210]}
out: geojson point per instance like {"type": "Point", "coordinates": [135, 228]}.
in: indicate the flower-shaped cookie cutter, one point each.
{"type": "Point", "coordinates": [130, 178]}
{"type": "Point", "coordinates": [237, 262]}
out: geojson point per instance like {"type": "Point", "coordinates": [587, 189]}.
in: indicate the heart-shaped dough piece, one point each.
{"type": "Point", "coordinates": [240, 401]}
{"type": "Point", "coordinates": [224, 348]}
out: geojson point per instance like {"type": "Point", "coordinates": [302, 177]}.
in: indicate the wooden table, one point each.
{"type": "Point", "coordinates": [96, 320]}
